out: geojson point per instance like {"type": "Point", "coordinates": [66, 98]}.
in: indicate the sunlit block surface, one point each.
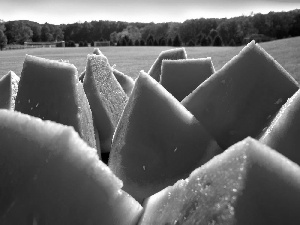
{"type": "Point", "coordinates": [49, 175]}
{"type": "Point", "coordinates": [106, 96]}
{"type": "Point", "coordinates": [240, 99]}
{"type": "Point", "coordinates": [181, 77]}
{"type": "Point", "coordinates": [247, 184]}
{"type": "Point", "coordinates": [157, 141]}
{"type": "Point", "coordinates": [5, 91]}
{"type": "Point", "coordinates": [176, 53]}
{"type": "Point", "coordinates": [14, 84]}
{"type": "Point", "coordinates": [283, 134]}
{"type": "Point", "coordinates": [50, 90]}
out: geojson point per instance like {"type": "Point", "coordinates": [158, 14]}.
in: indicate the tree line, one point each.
{"type": "Point", "coordinates": [195, 32]}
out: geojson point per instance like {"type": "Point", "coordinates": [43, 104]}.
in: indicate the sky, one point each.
{"type": "Point", "coordinates": [66, 11]}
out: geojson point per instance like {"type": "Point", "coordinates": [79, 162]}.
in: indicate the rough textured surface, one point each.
{"type": "Point", "coordinates": [50, 90]}
{"type": "Point", "coordinates": [14, 85]}
{"type": "Point", "coordinates": [181, 77]}
{"type": "Point", "coordinates": [247, 184]}
{"type": "Point", "coordinates": [50, 176]}
{"type": "Point", "coordinates": [5, 91]}
{"type": "Point", "coordinates": [125, 81]}
{"type": "Point", "coordinates": [283, 134]}
{"type": "Point", "coordinates": [157, 141]}
{"type": "Point", "coordinates": [176, 53]}
{"type": "Point", "coordinates": [106, 97]}
{"type": "Point", "coordinates": [240, 99]}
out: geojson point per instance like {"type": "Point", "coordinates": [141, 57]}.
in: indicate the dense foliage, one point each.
{"type": "Point", "coordinates": [205, 32]}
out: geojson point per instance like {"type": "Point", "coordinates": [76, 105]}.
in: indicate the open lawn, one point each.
{"type": "Point", "coordinates": [130, 60]}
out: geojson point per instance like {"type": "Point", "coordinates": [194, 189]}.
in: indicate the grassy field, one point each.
{"type": "Point", "coordinates": [130, 60]}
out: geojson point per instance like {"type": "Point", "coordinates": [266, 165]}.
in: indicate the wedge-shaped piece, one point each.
{"type": "Point", "coordinates": [49, 175]}
{"type": "Point", "coordinates": [5, 91]}
{"type": "Point", "coordinates": [125, 81]}
{"type": "Point", "coordinates": [106, 97]}
{"type": "Point", "coordinates": [247, 184]}
{"type": "Point", "coordinates": [9, 90]}
{"type": "Point", "coordinates": [240, 99]}
{"type": "Point", "coordinates": [157, 141]}
{"type": "Point", "coordinates": [15, 79]}
{"type": "Point", "coordinates": [96, 52]}
{"type": "Point", "coordinates": [49, 89]}
{"type": "Point", "coordinates": [284, 132]}
{"type": "Point", "coordinates": [181, 77]}
{"type": "Point", "coordinates": [176, 53]}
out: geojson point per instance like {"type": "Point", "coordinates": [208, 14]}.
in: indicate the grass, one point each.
{"type": "Point", "coordinates": [130, 60]}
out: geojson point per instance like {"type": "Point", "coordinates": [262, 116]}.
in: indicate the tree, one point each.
{"type": "Point", "coordinates": [295, 28]}
{"type": "Point", "coordinates": [155, 42]}
{"type": "Point", "coordinates": [142, 43]}
{"type": "Point", "coordinates": [232, 43]}
{"type": "Point", "coordinates": [136, 42]}
{"type": "Point", "coordinates": [130, 43]}
{"type": "Point", "coordinates": [217, 41]}
{"type": "Point", "coordinates": [58, 34]}
{"type": "Point", "coordinates": [170, 42]}
{"type": "Point", "coordinates": [71, 44]}
{"type": "Point", "coordinates": [3, 40]}
{"type": "Point", "coordinates": [213, 33]}
{"type": "Point", "coordinates": [18, 32]}
{"type": "Point", "coordinates": [81, 44]}
{"type": "Point", "coordinates": [199, 38]}
{"type": "Point", "coordinates": [113, 37]}
{"type": "Point", "coordinates": [206, 41]}
{"type": "Point", "coordinates": [45, 33]}
{"type": "Point", "coordinates": [124, 42]}
{"type": "Point", "coordinates": [162, 41]}
{"type": "Point", "coordinates": [2, 25]}
{"type": "Point", "coordinates": [150, 40]}
{"type": "Point", "coordinates": [191, 43]}
{"type": "Point", "coordinates": [228, 29]}
{"type": "Point", "coordinates": [119, 43]}
{"type": "Point", "coordinates": [37, 30]}
{"type": "Point", "coordinates": [177, 41]}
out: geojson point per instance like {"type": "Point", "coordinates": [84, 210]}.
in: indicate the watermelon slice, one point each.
{"type": "Point", "coordinates": [181, 77]}
{"type": "Point", "coordinates": [157, 141]}
{"type": "Point", "coordinates": [14, 85]}
{"type": "Point", "coordinates": [125, 81]}
{"type": "Point", "coordinates": [240, 99]}
{"type": "Point", "coordinates": [176, 53]}
{"type": "Point", "coordinates": [247, 184]}
{"type": "Point", "coordinates": [106, 97]}
{"type": "Point", "coordinates": [5, 91]}
{"type": "Point", "coordinates": [49, 89]}
{"type": "Point", "coordinates": [50, 176]}
{"type": "Point", "coordinates": [284, 132]}
{"type": "Point", "coordinates": [96, 52]}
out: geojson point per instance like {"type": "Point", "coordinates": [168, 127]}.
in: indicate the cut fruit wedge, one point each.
{"type": "Point", "coordinates": [247, 184]}
{"type": "Point", "coordinates": [241, 98]}
{"type": "Point", "coordinates": [157, 141]}
{"type": "Point", "coordinates": [106, 97]}
{"type": "Point", "coordinates": [49, 175]}
{"type": "Point", "coordinates": [15, 79]}
{"type": "Point", "coordinates": [284, 132]}
{"type": "Point", "coordinates": [125, 81]}
{"type": "Point", "coordinates": [49, 89]}
{"type": "Point", "coordinates": [181, 77]}
{"type": "Point", "coordinates": [176, 53]}
{"type": "Point", "coordinates": [5, 91]}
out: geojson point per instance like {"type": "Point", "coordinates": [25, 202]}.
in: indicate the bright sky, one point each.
{"type": "Point", "coordinates": [63, 11]}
